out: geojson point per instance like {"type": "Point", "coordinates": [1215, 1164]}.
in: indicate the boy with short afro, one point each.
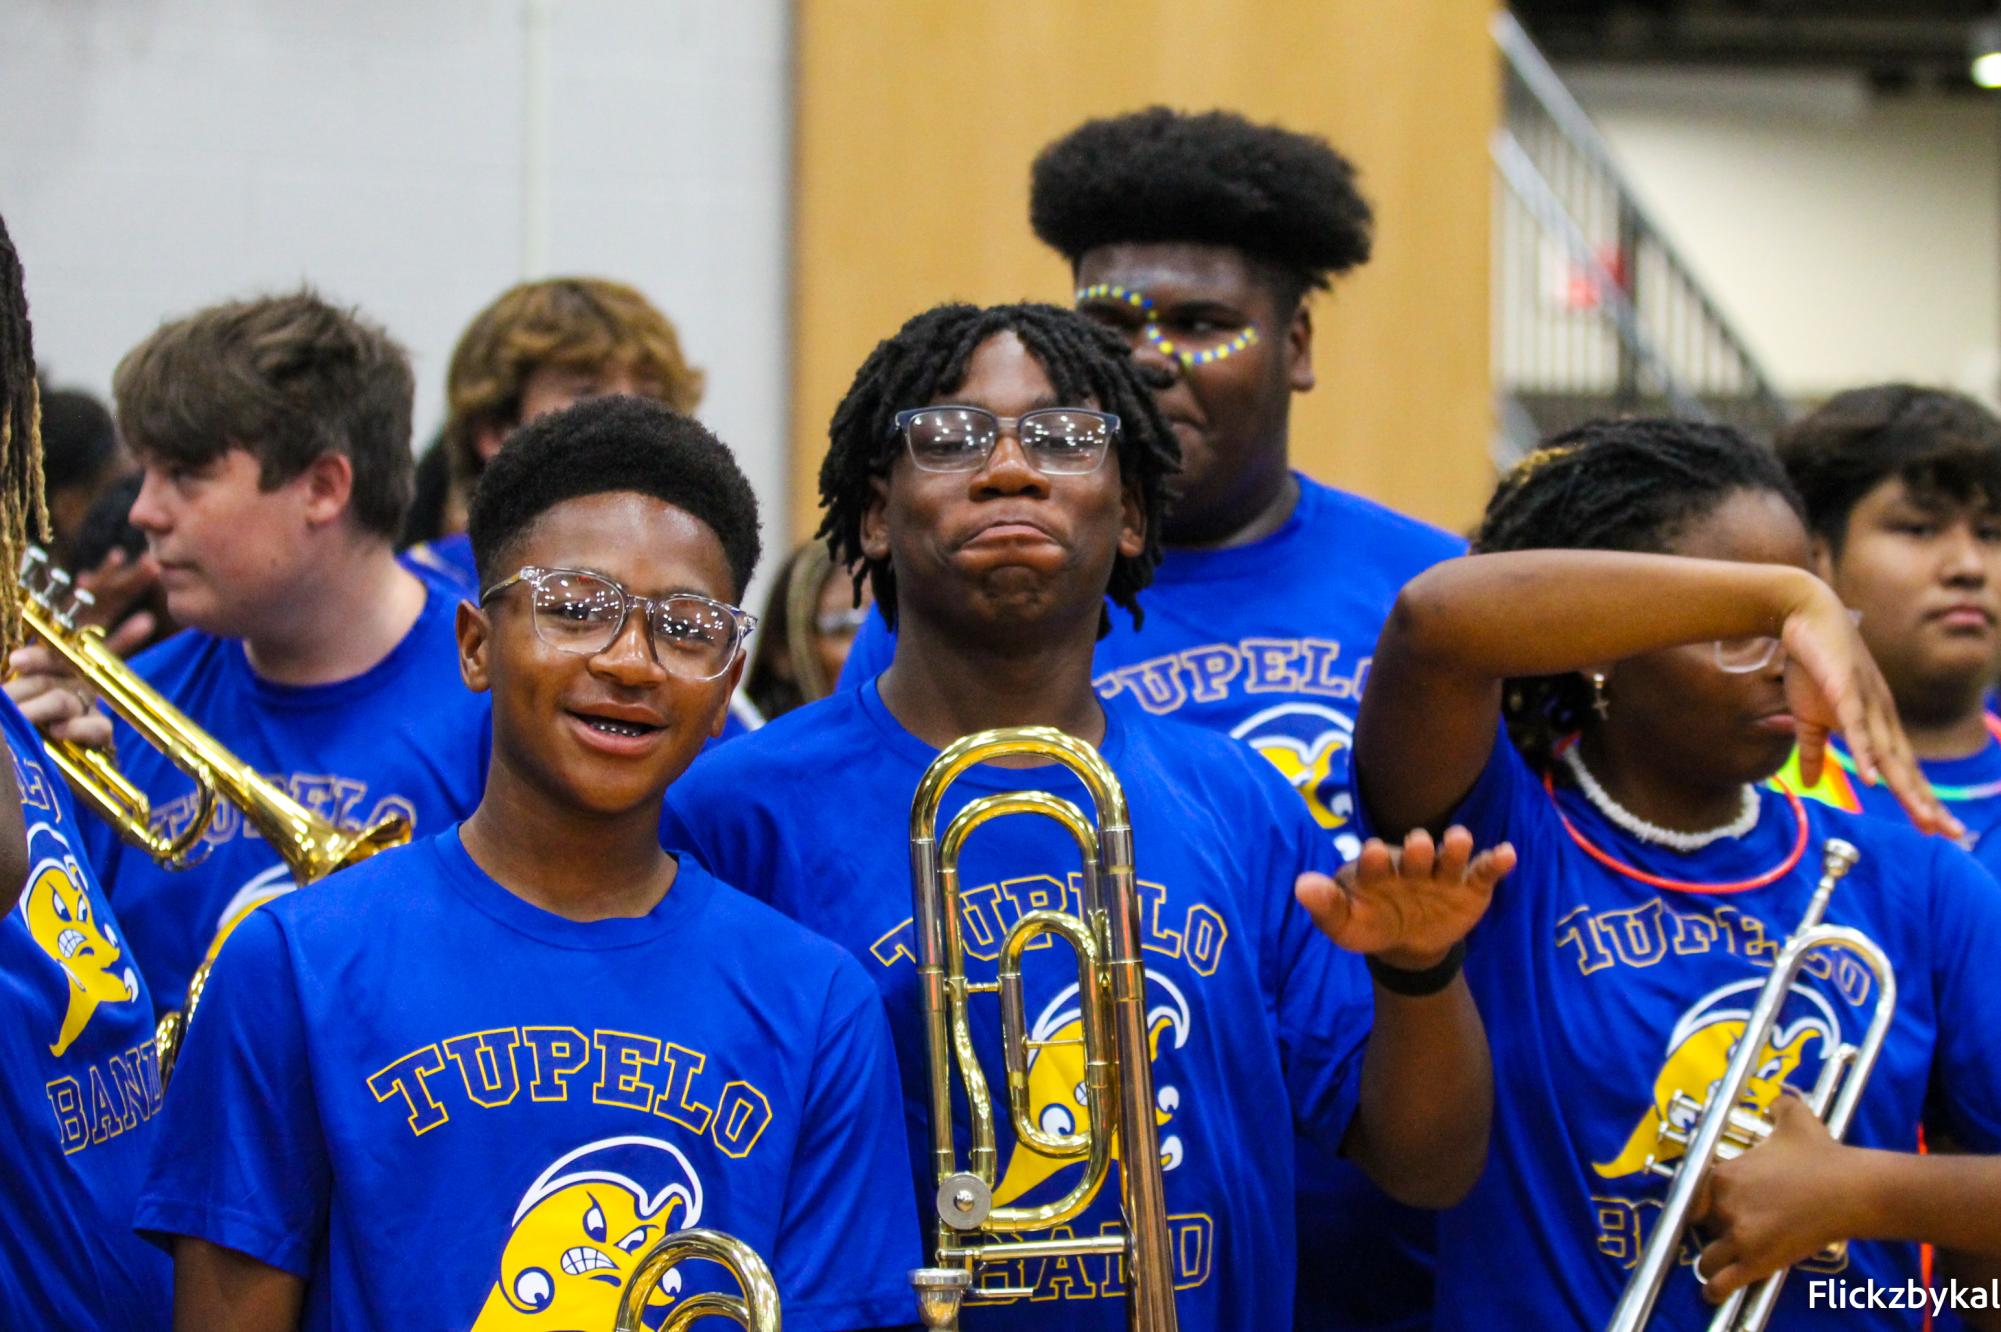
{"type": "Point", "coordinates": [537, 1040]}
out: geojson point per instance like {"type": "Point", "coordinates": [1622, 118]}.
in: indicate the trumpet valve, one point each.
{"type": "Point", "coordinates": [1744, 1129]}
{"type": "Point", "coordinates": [964, 1200]}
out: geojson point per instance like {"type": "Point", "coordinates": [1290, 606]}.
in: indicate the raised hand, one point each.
{"type": "Point", "coordinates": [1833, 684]}
{"type": "Point", "coordinates": [1407, 908]}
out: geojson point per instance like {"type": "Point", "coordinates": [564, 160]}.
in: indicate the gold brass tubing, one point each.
{"type": "Point", "coordinates": [1118, 1047]}
{"type": "Point", "coordinates": [756, 1310]}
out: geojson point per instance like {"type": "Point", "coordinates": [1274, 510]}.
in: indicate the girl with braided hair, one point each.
{"type": "Point", "coordinates": [1641, 617]}
{"type": "Point", "coordinates": [79, 1083]}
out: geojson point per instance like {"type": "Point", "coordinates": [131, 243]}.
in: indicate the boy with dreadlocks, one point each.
{"type": "Point", "coordinates": [81, 1083]}
{"type": "Point", "coordinates": [1903, 496]}
{"type": "Point", "coordinates": [1643, 618]}
{"type": "Point", "coordinates": [1201, 239]}
{"type": "Point", "coordinates": [275, 439]}
{"type": "Point", "coordinates": [998, 474]}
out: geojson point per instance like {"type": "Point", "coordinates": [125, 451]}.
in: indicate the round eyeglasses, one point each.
{"type": "Point", "coordinates": [1741, 656]}
{"type": "Point", "coordinates": [584, 613]}
{"type": "Point", "coordinates": [1057, 441]}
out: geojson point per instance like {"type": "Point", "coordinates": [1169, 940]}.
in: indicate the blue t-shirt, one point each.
{"type": "Point", "coordinates": [411, 1055]}
{"type": "Point", "coordinates": [1970, 787]}
{"type": "Point", "coordinates": [1604, 995]}
{"type": "Point", "coordinates": [404, 736]}
{"type": "Point", "coordinates": [1271, 643]}
{"type": "Point", "coordinates": [448, 560]}
{"type": "Point", "coordinates": [1259, 1022]}
{"type": "Point", "coordinates": [81, 1084]}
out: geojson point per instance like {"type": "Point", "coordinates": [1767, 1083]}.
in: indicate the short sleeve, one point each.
{"type": "Point", "coordinates": [849, 1235]}
{"type": "Point", "coordinates": [1324, 1003]}
{"type": "Point", "coordinates": [240, 1158]}
{"type": "Point", "coordinates": [874, 646]}
{"type": "Point", "coordinates": [1966, 1068]}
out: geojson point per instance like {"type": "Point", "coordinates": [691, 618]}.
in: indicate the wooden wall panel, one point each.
{"type": "Point", "coordinates": [916, 120]}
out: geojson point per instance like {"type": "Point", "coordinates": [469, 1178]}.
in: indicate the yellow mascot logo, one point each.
{"type": "Point", "coordinates": [1056, 1085]}
{"type": "Point", "coordinates": [61, 921]}
{"type": "Point", "coordinates": [1698, 1056]}
{"type": "Point", "coordinates": [581, 1229]}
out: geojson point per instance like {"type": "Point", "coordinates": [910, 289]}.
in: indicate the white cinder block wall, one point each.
{"type": "Point", "coordinates": [413, 157]}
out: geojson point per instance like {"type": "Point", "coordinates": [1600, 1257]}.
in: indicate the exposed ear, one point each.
{"type": "Point", "coordinates": [475, 635]}
{"type": "Point", "coordinates": [1132, 524]}
{"type": "Point", "coordinates": [486, 441]}
{"type": "Point", "coordinates": [328, 483]}
{"type": "Point", "coordinates": [723, 712]}
{"type": "Point", "coordinates": [1823, 560]}
{"type": "Point", "coordinates": [1299, 349]}
{"type": "Point", "coordinates": [875, 520]}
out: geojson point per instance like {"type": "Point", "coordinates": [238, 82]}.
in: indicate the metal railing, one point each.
{"type": "Point", "coordinates": [1595, 313]}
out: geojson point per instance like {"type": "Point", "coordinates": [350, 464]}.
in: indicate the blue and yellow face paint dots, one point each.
{"type": "Point", "coordinates": [1190, 352]}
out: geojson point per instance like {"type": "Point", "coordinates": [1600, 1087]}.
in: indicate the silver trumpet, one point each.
{"type": "Point", "coordinates": [1118, 1085]}
{"type": "Point", "coordinates": [1724, 1130]}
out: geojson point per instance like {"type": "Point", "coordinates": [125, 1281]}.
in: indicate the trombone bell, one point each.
{"type": "Point", "coordinates": [755, 1310]}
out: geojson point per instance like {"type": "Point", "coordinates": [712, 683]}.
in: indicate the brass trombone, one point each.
{"type": "Point", "coordinates": [1725, 1130]}
{"type": "Point", "coordinates": [1118, 1081]}
{"type": "Point", "coordinates": [312, 847]}
{"type": "Point", "coordinates": [756, 1310]}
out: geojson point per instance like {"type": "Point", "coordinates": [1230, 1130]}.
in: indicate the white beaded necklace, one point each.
{"type": "Point", "coordinates": [1747, 818]}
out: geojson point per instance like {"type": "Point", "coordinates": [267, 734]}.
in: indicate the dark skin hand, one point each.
{"type": "Point", "coordinates": [1800, 1190]}
{"type": "Point", "coordinates": [1408, 908]}
{"type": "Point", "coordinates": [1461, 628]}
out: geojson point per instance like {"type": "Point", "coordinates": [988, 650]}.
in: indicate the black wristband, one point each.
{"type": "Point", "coordinates": [1417, 984]}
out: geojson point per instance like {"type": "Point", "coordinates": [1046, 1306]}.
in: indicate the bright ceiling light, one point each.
{"type": "Point", "coordinates": [1985, 49]}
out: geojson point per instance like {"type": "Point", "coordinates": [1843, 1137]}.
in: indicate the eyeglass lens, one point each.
{"type": "Point", "coordinates": [1056, 439]}
{"type": "Point", "coordinates": [582, 613]}
{"type": "Point", "coordinates": [1741, 656]}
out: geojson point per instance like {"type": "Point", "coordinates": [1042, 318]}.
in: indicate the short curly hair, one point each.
{"type": "Point", "coordinates": [612, 444]}
{"type": "Point", "coordinates": [1631, 485]}
{"type": "Point", "coordinates": [1282, 197]}
{"type": "Point", "coordinates": [1938, 443]}
{"type": "Point", "coordinates": [573, 323]}
{"type": "Point", "coordinates": [927, 357]}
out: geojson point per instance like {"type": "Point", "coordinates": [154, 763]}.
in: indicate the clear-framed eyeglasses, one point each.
{"type": "Point", "coordinates": [1057, 441]}
{"type": "Point", "coordinates": [584, 613]}
{"type": "Point", "coordinates": [1741, 656]}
